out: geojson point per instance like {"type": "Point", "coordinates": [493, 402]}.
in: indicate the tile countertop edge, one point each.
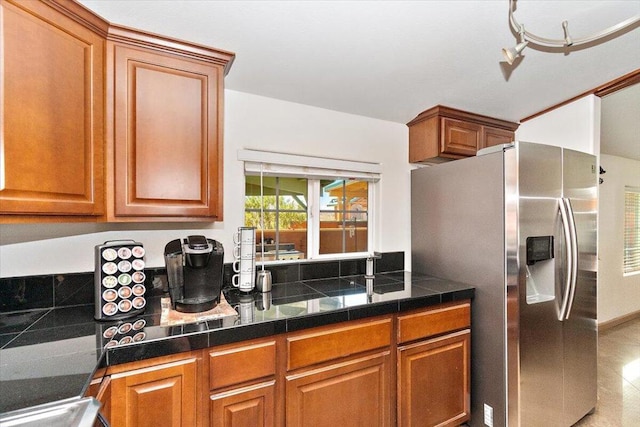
{"type": "Point", "coordinates": [229, 335]}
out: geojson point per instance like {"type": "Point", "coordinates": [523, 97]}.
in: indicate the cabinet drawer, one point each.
{"type": "Point", "coordinates": [436, 321]}
{"type": "Point", "coordinates": [328, 344]}
{"type": "Point", "coordinates": [235, 365]}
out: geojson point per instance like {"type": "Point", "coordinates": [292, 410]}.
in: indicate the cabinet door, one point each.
{"type": "Point", "coordinates": [52, 85]}
{"type": "Point", "coordinates": [433, 381]}
{"type": "Point", "coordinates": [167, 158]}
{"type": "Point", "coordinates": [351, 393]}
{"type": "Point", "coordinates": [251, 406]}
{"type": "Point", "coordinates": [157, 396]}
{"type": "Point", "coordinates": [461, 138]}
{"type": "Point", "coordinates": [494, 136]}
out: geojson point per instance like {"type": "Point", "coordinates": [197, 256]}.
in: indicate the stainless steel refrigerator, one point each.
{"type": "Point", "coordinates": [520, 223]}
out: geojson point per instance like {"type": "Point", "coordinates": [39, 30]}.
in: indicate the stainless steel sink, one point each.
{"type": "Point", "coordinates": [75, 412]}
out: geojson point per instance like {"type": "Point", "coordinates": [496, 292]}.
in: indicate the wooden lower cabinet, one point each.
{"type": "Point", "coordinates": [410, 369]}
{"type": "Point", "coordinates": [434, 381]}
{"type": "Point", "coordinates": [351, 393]}
{"type": "Point", "coordinates": [242, 379]}
{"type": "Point", "coordinates": [251, 406]}
{"type": "Point", "coordinates": [156, 396]}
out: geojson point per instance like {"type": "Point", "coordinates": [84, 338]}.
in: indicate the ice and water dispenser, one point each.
{"type": "Point", "coordinates": [540, 269]}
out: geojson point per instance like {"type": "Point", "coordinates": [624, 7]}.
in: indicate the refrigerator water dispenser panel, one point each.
{"type": "Point", "coordinates": [540, 270]}
{"type": "Point", "coordinates": [539, 248]}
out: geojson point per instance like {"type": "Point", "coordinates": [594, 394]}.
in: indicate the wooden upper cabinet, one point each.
{"type": "Point", "coordinates": [143, 145]}
{"type": "Point", "coordinates": [460, 138]}
{"type": "Point", "coordinates": [495, 136]}
{"type": "Point", "coordinates": [164, 128]}
{"type": "Point", "coordinates": [52, 86]}
{"type": "Point", "coordinates": [442, 133]}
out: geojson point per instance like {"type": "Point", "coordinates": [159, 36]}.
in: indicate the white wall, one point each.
{"type": "Point", "coordinates": [575, 125]}
{"type": "Point", "coordinates": [251, 122]}
{"type": "Point", "coordinates": [617, 295]}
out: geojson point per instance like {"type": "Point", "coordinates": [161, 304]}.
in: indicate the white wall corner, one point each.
{"type": "Point", "coordinates": [575, 125]}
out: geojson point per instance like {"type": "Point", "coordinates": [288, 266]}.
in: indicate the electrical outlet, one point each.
{"type": "Point", "coordinates": [488, 415]}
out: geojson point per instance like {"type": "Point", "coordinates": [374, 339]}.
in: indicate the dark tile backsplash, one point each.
{"type": "Point", "coordinates": [352, 267]}
{"type": "Point", "coordinates": [319, 270]}
{"type": "Point", "coordinates": [73, 289]}
{"type": "Point", "coordinates": [26, 293]}
{"type": "Point", "coordinates": [389, 262]}
{"type": "Point", "coordinates": [61, 290]}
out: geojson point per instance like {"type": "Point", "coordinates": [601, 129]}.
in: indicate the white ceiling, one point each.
{"type": "Point", "coordinates": [391, 60]}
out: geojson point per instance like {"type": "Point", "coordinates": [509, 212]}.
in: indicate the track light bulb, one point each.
{"type": "Point", "coordinates": [513, 52]}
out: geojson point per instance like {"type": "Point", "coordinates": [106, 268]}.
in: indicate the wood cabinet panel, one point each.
{"type": "Point", "coordinates": [434, 381]}
{"type": "Point", "coordinates": [461, 138]}
{"type": "Point", "coordinates": [162, 395]}
{"type": "Point", "coordinates": [251, 406]}
{"type": "Point", "coordinates": [94, 112]}
{"type": "Point", "coordinates": [331, 343]}
{"type": "Point", "coordinates": [419, 134]}
{"type": "Point", "coordinates": [342, 374]}
{"type": "Point", "coordinates": [351, 393]}
{"type": "Point", "coordinates": [104, 397]}
{"type": "Point", "coordinates": [52, 114]}
{"type": "Point", "coordinates": [441, 134]}
{"type": "Point", "coordinates": [239, 364]}
{"type": "Point", "coordinates": [495, 136]}
{"type": "Point", "coordinates": [435, 321]}
{"type": "Point", "coordinates": [167, 151]}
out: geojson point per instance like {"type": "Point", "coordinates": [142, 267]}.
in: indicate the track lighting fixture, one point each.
{"type": "Point", "coordinates": [512, 53]}
{"type": "Point", "coordinates": [527, 38]}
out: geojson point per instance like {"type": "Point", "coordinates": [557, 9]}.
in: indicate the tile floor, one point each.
{"type": "Point", "coordinates": [618, 378]}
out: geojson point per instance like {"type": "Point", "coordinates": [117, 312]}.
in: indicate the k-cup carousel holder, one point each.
{"type": "Point", "coordinates": [120, 332]}
{"type": "Point", "coordinates": [119, 280]}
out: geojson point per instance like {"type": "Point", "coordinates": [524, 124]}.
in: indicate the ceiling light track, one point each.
{"type": "Point", "coordinates": [527, 37]}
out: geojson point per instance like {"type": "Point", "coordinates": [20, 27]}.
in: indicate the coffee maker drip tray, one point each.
{"type": "Point", "coordinates": [195, 305]}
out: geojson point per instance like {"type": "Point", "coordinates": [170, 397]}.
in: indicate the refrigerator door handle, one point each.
{"type": "Point", "coordinates": [568, 257]}
{"type": "Point", "coordinates": [574, 256]}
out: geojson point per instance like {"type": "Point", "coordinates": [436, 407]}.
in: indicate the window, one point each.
{"type": "Point", "coordinates": [631, 230]}
{"type": "Point", "coordinates": [311, 207]}
{"type": "Point", "coordinates": [343, 216]}
{"type": "Point", "coordinates": [283, 205]}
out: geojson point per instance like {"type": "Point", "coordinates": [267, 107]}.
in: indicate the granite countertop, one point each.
{"type": "Point", "coordinates": [50, 355]}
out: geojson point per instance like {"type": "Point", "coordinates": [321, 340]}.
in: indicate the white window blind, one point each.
{"type": "Point", "coordinates": [631, 229]}
{"type": "Point", "coordinates": [281, 164]}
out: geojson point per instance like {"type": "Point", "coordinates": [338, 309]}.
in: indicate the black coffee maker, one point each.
{"type": "Point", "coordinates": [194, 271]}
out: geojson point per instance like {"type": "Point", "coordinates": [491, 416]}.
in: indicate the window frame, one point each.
{"type": "Point", "coordinates": [313, 224]}
{"type": "Point", "coordinates": [314, 169]}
